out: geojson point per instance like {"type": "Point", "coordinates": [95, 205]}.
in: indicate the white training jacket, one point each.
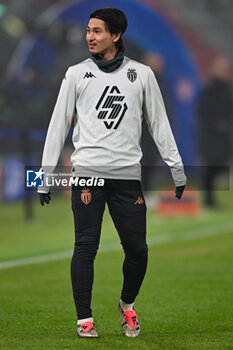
{"type": "Point", "coordinates": [108, 109]}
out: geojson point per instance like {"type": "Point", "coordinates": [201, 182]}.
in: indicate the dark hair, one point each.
{"type": "Point", "coordinates": [115, 20]}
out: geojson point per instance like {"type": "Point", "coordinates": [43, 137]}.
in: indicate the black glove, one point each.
{"type": "Point", "coordinates": [44, 197]}
{"type": "Point", "coordinates": [179, 191]}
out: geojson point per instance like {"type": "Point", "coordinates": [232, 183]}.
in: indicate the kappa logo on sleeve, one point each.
{"type": "Point", "coordinates": [111, 107]}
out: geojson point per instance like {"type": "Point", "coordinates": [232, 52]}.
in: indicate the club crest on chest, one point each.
{"type": "Point", "coordinates": [132, 74]}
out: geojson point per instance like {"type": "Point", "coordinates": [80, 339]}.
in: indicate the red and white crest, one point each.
{"type": "Point", "coordinates": [86, 196]}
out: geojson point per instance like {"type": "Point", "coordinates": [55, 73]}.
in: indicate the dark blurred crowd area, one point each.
{"type": "Point", "coordinates": [27, 100]}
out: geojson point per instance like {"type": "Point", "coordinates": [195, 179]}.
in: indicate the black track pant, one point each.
{"type": "Point", "coordinates": [128, 211]}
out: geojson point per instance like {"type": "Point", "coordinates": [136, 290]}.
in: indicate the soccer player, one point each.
{"type": "Point", "coordinates": [108, 93]}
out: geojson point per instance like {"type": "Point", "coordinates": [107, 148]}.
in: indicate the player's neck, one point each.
{"type": "Point", "coordinates": [109, 55]}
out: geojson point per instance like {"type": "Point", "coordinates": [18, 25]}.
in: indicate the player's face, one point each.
{"type": "Point", "coordinates": [99, 39]}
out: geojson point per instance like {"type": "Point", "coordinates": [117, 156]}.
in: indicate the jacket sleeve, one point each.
{"type": "Point", "coordinates": [59, 125]}
{"type": "Point", "coordinates": [156, 117]}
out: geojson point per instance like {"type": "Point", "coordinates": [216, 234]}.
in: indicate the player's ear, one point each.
{"type": "Point", "coordinates": [116, 37]}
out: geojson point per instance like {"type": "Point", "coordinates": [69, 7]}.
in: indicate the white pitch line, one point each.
{"type": "Point", "coordinates": [108, 247]}
{"type": "Point", "coordinates": [191, 234]}
{"type": "Point", "coordinates": [35, 259]}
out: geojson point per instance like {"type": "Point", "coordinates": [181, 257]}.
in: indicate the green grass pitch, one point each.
{"type": "Point", "coordinates": [185, 302]}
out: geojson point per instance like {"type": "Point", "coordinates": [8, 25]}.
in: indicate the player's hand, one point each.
{"type": "Point", "coordinates": [179, 191]}
{"type": "Point", "coordinates": [44, 198]}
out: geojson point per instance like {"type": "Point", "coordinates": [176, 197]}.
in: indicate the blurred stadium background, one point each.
{"type": "Point", "coordinates": [38, 41]}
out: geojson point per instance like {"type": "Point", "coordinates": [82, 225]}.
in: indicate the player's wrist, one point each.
{"type": "Point", "coordinates": [44, 190]}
